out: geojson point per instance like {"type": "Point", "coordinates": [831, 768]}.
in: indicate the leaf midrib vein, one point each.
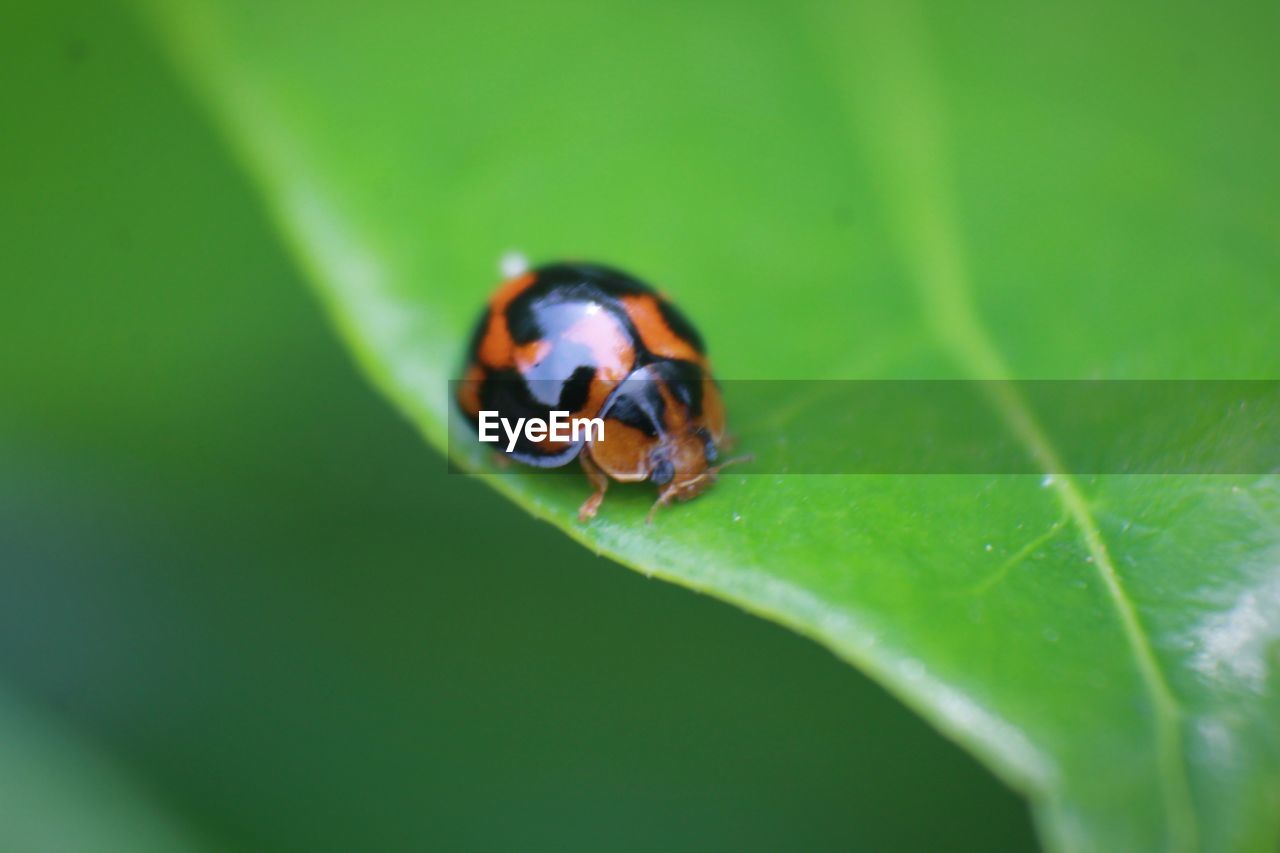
{"type": "Point", "coordinates": [905, 138]}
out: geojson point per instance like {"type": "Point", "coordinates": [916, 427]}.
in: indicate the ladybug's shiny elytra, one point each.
{"type": "Point", "coordinates": [596, 342]}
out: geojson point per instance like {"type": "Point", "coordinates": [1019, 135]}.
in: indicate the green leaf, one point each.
{"type": "Point", "coordinates": [60, 793]}
{"type": "Point", "coordinates": [839, 192]}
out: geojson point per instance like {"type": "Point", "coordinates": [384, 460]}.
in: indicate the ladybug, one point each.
{"type": "Point", "coordinates": [596, 342]}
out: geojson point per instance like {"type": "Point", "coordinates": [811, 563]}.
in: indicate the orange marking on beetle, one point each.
{"type": "Point", "coordinates": [597, 396]}
{"type": "Point", "coordinates": [496, 343]}
{"type": "Point", "coordinates": [657, 336]}
{"type": "Point", "coordinates": [510, 289]}
{"type": "Point", "coordinates": [712, 409]}
{"type": "Point", "coordinates": [469, 390]}
{"type": "Point", "coordinates": [527, 355]}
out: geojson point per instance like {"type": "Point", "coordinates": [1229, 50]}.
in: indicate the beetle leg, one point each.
{"type": "Point", "coordinates": [663, 500]}
{"type": "Point", "coordinates": [598, 479]}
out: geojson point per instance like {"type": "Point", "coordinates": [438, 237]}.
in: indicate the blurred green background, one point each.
{"type": "Point", "coordinates": [242, 605]}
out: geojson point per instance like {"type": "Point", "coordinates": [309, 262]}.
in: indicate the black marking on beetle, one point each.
{"type": "Point", "coordinates": [573, 396]}
{"type": "Point", "coordinates": [684, 381]}
{"type": "Point", "coordinates": [564, 284]}
{"type": "Point", "coordinates": [639, 405]}
{"type": "Point", "coordinates": [507, 392]}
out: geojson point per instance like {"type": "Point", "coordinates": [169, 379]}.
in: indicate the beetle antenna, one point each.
{"type": "Point", "coordinates": [746, 457]}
